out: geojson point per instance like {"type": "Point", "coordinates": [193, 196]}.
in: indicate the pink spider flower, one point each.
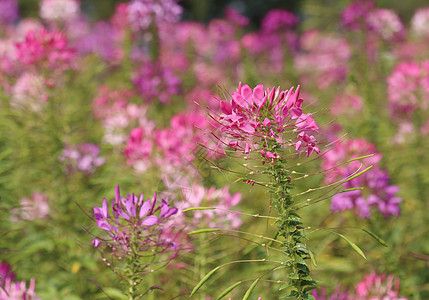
{"type": "Point", "coordinates": [32, 208]}
{"type": "Point", "coordinates": [252, 116]}
{"type": "Point", "coordinates": [386, 24]}
{"type": "Point", "coordinates": [47, 49]}
{"type": "Point", "coordinates": [408, 88]}
{"type": "Point", "coordinates": [15, 290]}
{"type": "Point", "coordinates": [143, 13]}
{"type": "Point", "coordinates": [133, 222]}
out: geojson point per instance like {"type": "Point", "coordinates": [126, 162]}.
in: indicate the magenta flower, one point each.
{"type": "Point", "coordinates": [278, 20]}
{"type": "Point", "coordinates": [354, 15]}
{"type": "Point", "coordinates": [253, 115]}
{"type": "Point", "coordinates": [153, 81]}
{"type": "Point", "coordinates": [408, 88]}
{"type": "Point", "coordinates": [46, 49]}
{"type": "Point", "coordinates": [132, 222]}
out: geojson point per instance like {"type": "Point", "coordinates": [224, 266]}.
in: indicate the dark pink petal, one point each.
{"type": "Point", "coordinates": [247, 149]}
{"type": "Point", "coordinates": [259, 95]}
{"type": "Point", "coordinates": [267, 123]}
{"type": "Point", "coordinates": [171, 211]}
{"type": "Point", "coordinates": [246, 92]}
{"type": "Point", "coordinates": [239, 100]}
{"type": "Point", "coordinates": [226, 108]}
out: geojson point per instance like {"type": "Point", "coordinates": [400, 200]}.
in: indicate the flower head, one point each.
{"type": "Point", "coordinates": [253, 116]}
{"type": "Point", "coordinates": [133, 222]}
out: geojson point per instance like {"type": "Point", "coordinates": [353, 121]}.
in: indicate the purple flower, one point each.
{"type": "Point", "coordinates": [82, 157]}
{"type": "Point", "coordinates": [153, 81]}
{"type": "Point", "coordinates": [142, 13]}
{"type": "Point", "coordinates": [132, 222]}
{"type": "Point", "coordinates": [8, 11]}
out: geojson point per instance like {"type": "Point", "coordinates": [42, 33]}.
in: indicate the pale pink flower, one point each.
{"type": "Point", "coordinates": [29, 92]}
{"type": "Point", "coordinates": [386, 24]}
{"type": "Point", "coordinates": [420, 22]}
{"type": "Point", "coordinates": [59, 10]}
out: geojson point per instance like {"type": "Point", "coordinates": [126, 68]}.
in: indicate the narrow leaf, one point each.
{"type": "Point", "coordinates": [358, 174]}
{"type": "Point", "coordinates": [354, 246]}
{"type": "Point", "coordinates": [376, 237]}
{"type": "Point", "coordinates": [204, 231]}
{"type": "Point", "coordinates": [313, 259]}
{"type": "Point", "coordinates": [250, 290]}
{"type": "Point", "coordinates": [350, 189]}
{"type": "Point", "coordinates": [198, 208]}
{"type": "Point", "coordinates": [229, 289]}
{"type": "Point", "coordinates": [205, 278]}
{"type": "Point", "coordinates": [360, 157]}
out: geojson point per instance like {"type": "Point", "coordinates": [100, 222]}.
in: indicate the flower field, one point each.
{"type": "Point", "coordinates": [152, 156]}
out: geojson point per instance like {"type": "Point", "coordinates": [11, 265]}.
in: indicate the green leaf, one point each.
{"type": "Point", "coordinates": [358, 174]}
{"type": "Point", "coordinates": [376, 237]}
{"type": "Point", "coordinates": [313, 258]}
{"type": "Point", "coordinates": [204, 280]}
{"type": "Point", "coordinates": [251, 288]}
{"type": "Point", "coordinates": [350, 189]}
{"type": "Point", "coordinates": [204, 231]}
{"type": "Point", "coordinates": [286, 285]}
{"type": "Point", "coordinates": [354, 246]}
{"type": "Point", "coordinates": [229, 289]}
{"type": "Point", "coordinates": [360, 157]}
{"type": "Point", "coordinates": [198, 208]}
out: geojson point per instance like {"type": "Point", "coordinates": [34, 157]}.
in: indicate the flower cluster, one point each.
{"type": "Point", "coordinates": [102, 40]}
{"type": "Point", "coordinates": [408, 88]}
{"type": "Point", "coordinates": [420, 22]}
{"type": "Point", "coordinates": [32, 208]}
{"type": "Point", "coordinates": [278, 20]}
{"type": "Point", "coordinates": [253, 116]}
{"type": "Point", "coordinates": [354, 15]}
{"type": "Point", "coordinates": [143, 13]}
{"type": "Point", "coordinates": [15, 290]}
{"type": "Point", "coordinates": [29, 91]}
{"type": "Point", "coordinates": [171, 149]}
{"type": "Point", "coordinates": [383, 23]}
{"type": "Point", "coordinates": [153, 81]}
{"type": "Point", "coordinates": [372, 287]}
{"type": "Point", "coordinates": [378, 191]}
{"type": "Point", "coordinates": [118, 115]}
{"type": "Point", "coordinates": [133, 223]}
{"type": "Point", "coordinates": [59, 10]}
{"type": "Point", "coordinates": [45, 49]}
{"type": "Point", "coordinates": [82, 157]}
{"type": "Point", "coordinates": [8, 11]}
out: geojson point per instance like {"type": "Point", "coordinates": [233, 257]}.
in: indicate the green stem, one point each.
{"type": "Point", "coordinates": [290, 227]}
